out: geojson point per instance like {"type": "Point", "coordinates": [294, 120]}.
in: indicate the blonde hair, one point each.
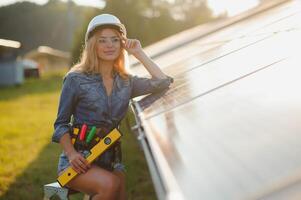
{"type": "Point", "coordinates": [89, 61]}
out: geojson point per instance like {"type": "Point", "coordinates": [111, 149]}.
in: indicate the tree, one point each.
{"type": "Point", "coordinates": [151, 20]}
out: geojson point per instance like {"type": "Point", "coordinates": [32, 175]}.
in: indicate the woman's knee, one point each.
{"type": "Point", "coordinates": [111, 188]}
{"type": "Point", "coordinates": [114, 183]}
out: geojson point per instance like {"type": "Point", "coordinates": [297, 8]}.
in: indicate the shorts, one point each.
{"type": "Point", "coordinates": [102, 162]}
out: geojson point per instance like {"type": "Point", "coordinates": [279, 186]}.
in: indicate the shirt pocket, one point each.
{"type": "Point", "coordinates": [92, 96]}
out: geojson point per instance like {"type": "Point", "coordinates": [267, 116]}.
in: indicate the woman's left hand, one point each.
{"type": "Point", "coordinates": [132, 46]}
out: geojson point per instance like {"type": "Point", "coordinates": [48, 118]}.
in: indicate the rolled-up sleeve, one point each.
{"type": "Point", "coordinates": [143, 86]}
{"type": "Point", "coordinates": [65, 109]}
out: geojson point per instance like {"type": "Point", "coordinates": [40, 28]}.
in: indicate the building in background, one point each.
{"type": "Point", "coordinates": [31, 68]}
{"type": "Point", "coordinates": [11, 71]}
{"type": "Point", "coordinates": [49, 58]}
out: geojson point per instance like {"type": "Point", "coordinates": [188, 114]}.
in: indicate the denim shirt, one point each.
{"type": "Point", "coordinates": [84, 97]}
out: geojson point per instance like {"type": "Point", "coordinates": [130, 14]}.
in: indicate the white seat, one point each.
{"type": "Point", "coordinates": [54, 188]}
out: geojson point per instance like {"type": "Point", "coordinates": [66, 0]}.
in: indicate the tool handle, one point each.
{"type": "Point", "coordinates": [74, 135]}
{"type": "Point", "coordinates": [91, 134]}
{"type": "Point", "coordinates": [83, 132]}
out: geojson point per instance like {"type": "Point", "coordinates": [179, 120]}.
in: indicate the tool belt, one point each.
{"type": "Point", "coordinates": [85, 137]}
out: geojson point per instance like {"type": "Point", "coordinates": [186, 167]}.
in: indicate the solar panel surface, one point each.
{"type": "Point", "coordinates": [229, 127]}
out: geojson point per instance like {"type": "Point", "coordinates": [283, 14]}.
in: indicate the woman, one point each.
{"type": "Point", "coordinates": [96, 92]}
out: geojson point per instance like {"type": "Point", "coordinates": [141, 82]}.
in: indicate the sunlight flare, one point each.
{"type": "Point", "coordinates": [231, 7]}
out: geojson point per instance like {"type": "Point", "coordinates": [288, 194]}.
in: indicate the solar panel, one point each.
{"type": "Point", "coordinates": [229, 127]}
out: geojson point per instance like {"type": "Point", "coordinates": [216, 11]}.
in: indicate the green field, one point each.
{"type": "Point", "coordinates": [28, 159]}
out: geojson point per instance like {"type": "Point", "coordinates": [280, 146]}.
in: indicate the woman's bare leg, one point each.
{"type": "Point", "coordinates": [122, 191]}
{"type": "Point", "coordinates": [98, 182]}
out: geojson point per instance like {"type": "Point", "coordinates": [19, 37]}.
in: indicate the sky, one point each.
{"type": "Point", "coordinates": [93, 3]}
{"type": "Point", "coordinates": [232, 7]}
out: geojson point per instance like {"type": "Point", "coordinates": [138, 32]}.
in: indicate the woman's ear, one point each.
{"type": "Point", "coordinates": [123, 39]}
{"type": "Point", "coordinates": [122, 43]}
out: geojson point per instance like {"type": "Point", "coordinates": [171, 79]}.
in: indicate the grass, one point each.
{"type": "Point", "coordinates": [28, 159]}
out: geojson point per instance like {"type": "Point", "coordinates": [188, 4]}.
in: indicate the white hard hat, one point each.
{"type": "Point", "coordinates": [104, 19]}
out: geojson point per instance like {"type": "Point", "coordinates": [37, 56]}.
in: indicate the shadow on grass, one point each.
{"type": "Point", "coordinates": [29, 185]}
{"type": "Point", "coordinates": [49, 83]}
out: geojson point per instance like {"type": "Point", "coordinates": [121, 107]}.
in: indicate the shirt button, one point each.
{"type": "Point", "coordinates": [105, 114]}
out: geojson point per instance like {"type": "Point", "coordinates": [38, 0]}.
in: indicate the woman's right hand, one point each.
{"type": "Point", "coordinates": [78, 162]}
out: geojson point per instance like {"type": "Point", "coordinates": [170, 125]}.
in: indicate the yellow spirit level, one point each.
{"type": "Point", "coordinates": [96, 151]}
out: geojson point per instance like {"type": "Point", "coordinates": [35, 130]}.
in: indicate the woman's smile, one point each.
{"type": "Point", "coordinates": [110, 52]}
